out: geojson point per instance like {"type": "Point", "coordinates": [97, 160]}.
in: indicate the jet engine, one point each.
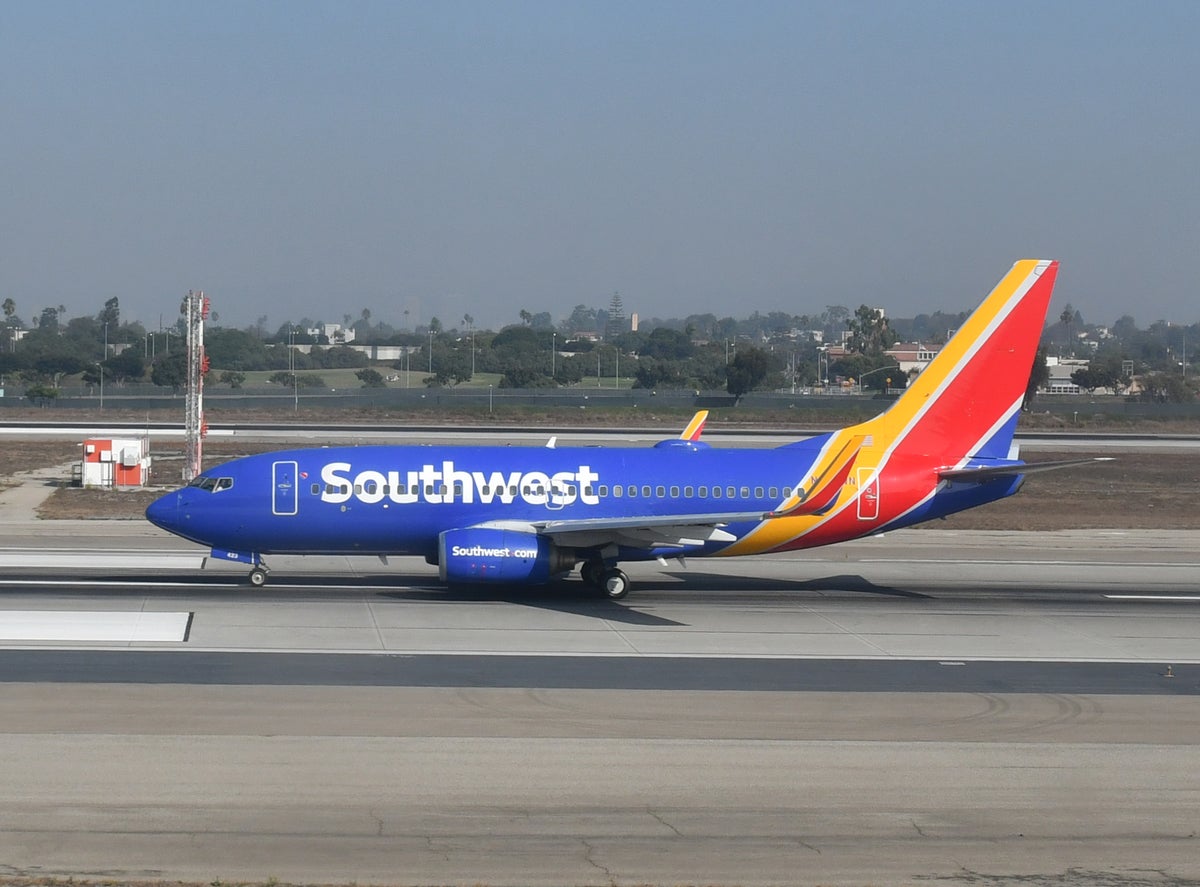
{"type": "Point", "coordinates": [488, 554]}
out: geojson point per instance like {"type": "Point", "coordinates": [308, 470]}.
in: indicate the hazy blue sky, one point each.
{"type": "Point", "coordinates": [447, 157]}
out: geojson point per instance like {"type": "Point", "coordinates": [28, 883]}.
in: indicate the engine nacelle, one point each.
{"type": "Point", "coordinates": [486, 554]}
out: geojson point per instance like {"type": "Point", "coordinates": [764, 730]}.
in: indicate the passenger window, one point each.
{"type": "Point", "coordinates": [646, 492]}
{"type": "Point", "coordinates": [758, 492]}
{"type": "Point", "coordinates": [703, 492]}
{"type": "Point", "coordinates": [731, 492]}
{"type": "Point", "coordinates": [660, 491]}
{"type": "Point", "coordinates": [774, 492]}
{"type": "Point", "coordinates": [618, 490]}
{"type": "Point", "coordinates": [674, 492]}
{"type": "Point", "coordinates": [632, 491]}
{"type": "Point", "coordinates": [603, 491]}
{"type": "Point", "coordinates": [716, 492]}
{"type": "Point", "coordinates": [688, 492]}
{"type": "Point", "coordinates": [745, 492]}
{"type": "Point", "coordinates": [316, 488]}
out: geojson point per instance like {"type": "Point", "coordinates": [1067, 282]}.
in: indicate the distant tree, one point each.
{"type": "Point", "coordinates": [10, 310]}
{"type": "Point", "coordinates": [1039, 377]}
{"type": "Point", "coordinates": [127, 365]}
{"type": "Point", "coordinates": [310, 380]}
{"type": "Point", "coordinates": [869, 332]}
{"type": "Point", "coordinates": [110, 314]}
{"type": "Point", "coordinates": [371, 378]}
{"type": "Point", "coordinates": [41, 395]}
{"type": "Point", "coordinates": [232, 378]}
{"type": "Point", "coordinates": [170, 370]}
{"type": "Point", "coordinates": [615, 324]}
{"type": "Point", "coordinates": [667, 344]}
{"type": "Point", "coordinates": [1166, 388]}
{"type": "Point", "coordinates": [282, 377]}
{"type": "Point", "coordinates": [48, 320]}
{"type": "Point", "coordinates": [340, 357]}
{"type": "Point", "coordinates": [1101, 372]}
{"type": "Point", "coordinates": [526, 317]}
{"type": "Point", "coordinates": [747, 371]}
{"type": "Point", "coordinates": [55, 365]}
{"type": "Point", "coordinates": [654, 373]}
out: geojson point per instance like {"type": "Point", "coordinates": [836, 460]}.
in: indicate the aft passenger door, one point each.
{"type": "Point", "coordinates": [868, 494]}
{"type": "Point", "coordinates": [284, 483]}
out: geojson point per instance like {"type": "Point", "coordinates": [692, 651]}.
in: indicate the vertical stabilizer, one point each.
{"type": "Point", "coordinates": [967, 401]}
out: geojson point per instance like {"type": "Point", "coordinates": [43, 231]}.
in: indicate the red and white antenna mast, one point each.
{"type": "Point", "coordinates": [195, 309]}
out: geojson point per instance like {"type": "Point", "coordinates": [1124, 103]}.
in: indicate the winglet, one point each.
{"type": "Point", "coordinates": [824, 490]}
{"type": "Point", "coordinates": [696, 427]}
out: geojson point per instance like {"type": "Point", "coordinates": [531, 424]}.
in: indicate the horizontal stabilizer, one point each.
{"type": "Point", "coordinates": [994, 472]}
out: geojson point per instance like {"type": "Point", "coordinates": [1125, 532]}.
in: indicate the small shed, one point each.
{"type": "Point", "coordinates": [116, 462]}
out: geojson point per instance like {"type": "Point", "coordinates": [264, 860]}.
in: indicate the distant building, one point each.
{"type": "Point", "coordinates": [913, 357]}
{"type": "Point", "coordinates": [333, 333]}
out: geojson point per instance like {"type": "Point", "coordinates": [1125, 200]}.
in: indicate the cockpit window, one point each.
{"type": "Point", "coordinates": [212, 484]}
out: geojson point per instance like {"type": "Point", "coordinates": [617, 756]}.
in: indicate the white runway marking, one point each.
{"type": "Point", "coordinates": [92, 625]}
{"type": "Point", "coordinates": [1153, 597]}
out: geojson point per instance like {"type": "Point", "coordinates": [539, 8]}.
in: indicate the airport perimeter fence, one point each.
{"type": "Point", "coordinates": [144, 398]}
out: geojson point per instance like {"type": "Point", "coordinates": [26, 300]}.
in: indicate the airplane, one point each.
{"type": "Point", "coordinates": [527, 515]}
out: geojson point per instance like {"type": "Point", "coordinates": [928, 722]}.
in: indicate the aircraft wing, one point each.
{"type": "Point", "coordinates": [993, 472]}
{"type": "Point", "coordinates": [643, 531]}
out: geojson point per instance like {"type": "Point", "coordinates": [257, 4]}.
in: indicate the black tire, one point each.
{"type": "Point", "coordinates": [258, 577]}
{"type": "Point", "coordinates": [614, 584]}
{"type": "Point", "coordinates": [590, 573]}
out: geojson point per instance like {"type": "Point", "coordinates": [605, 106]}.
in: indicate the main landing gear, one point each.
{"type": "Point", "coordinates": [609, 581]}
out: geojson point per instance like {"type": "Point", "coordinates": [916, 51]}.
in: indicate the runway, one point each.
{"type": "Point", "coordinates": [966, 708]}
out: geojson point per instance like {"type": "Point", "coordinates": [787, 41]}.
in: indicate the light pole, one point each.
{"type": "Point", "coordinates": [103, 357]}
{"type": "Point", "coordinates": [292, 369]}
{"type": "Point", "coordinates": [873, 372]}
{"type": "Point", "coordinates": [431, 352]}
{"type": "Point", "coordinates": [553, 348]}
{"type": "Point", "coordinates": [489, 400]}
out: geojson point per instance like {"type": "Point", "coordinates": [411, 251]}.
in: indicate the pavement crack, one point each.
{"type": "Point", "coordinates": [588, 858]}
{"type": "Point", "coordinates": [378, 823]}
{"type": "Point", "coordinates": [807, 846]}
{"type": "Point", "coordinates": [661, 821]}
{"type": "Point", "coordinates": [918, 829]}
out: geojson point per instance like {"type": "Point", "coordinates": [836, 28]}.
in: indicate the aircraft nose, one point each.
{"type": "Point", "coordinates": [164, 512]}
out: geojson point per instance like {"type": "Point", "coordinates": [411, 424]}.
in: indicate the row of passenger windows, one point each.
{"type": "Point", "coordinates": [603, 491]}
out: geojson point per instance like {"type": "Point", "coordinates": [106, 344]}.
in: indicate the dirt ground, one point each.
{"type": "Point", "coordinates": [1139, 490]}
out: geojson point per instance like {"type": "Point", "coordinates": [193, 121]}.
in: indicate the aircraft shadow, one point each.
{"type": "Point", "coordinates": [846, 583]}
{"type": "Point", "coordinates": [573, 598]}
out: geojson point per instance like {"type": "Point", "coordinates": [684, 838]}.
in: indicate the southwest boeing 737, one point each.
{"type": "Point", "coordinates": [527, 515]}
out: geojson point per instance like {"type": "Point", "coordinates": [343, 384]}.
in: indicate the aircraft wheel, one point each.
{"type": "Point", "coordinates": [258, 577]}
{"type": "Point", "coordinates": [590, 573]}
{"type": "Point", "coordinates": [615, 584]}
